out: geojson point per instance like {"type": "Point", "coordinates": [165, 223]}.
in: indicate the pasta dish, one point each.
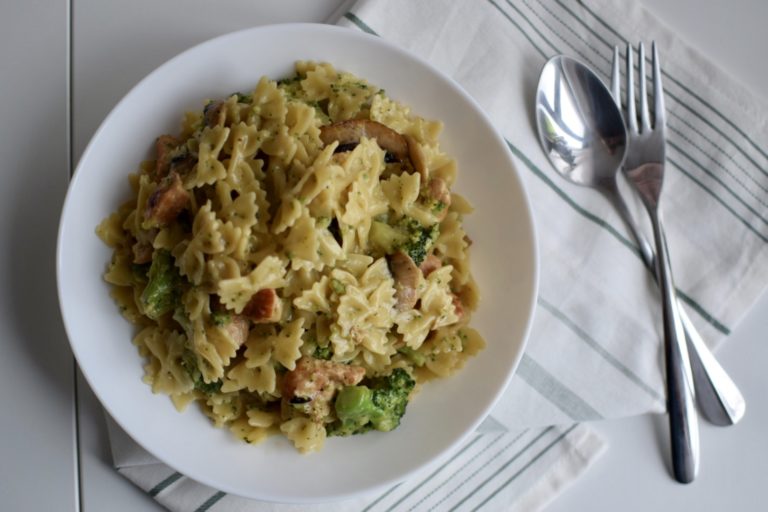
{"type": "Point", "coordinates": [295, 261]}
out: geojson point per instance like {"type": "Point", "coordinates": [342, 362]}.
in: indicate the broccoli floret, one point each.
{"type": "Point", "coordinates": [325, 353]}
{"type": "Point", "coordinates": [413, 356]}
{"type": "Point", "coordinates": [243, 98]}
{"type": "Point", "coordinates": [189, 362]}
{"type": "Point", "coordinates": [381, 406]}
{"type": "Point", "coordinates": [163, 286]}
{"type": "Point", "coordinates": [407, 235]}
{"type": "Point", "coordinates": [420, 239]}
{"type": "Point", "coordinates": [221, 318]}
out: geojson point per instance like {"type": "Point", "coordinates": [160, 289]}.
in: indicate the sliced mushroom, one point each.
{"type": "Point", "coordinates": [264, 307]}
{"type": "Point", "coordinates": [314, 382]}
{"type": "Point", "coordinates": [406, 275]}
{"type": "Point", "coordinates": [349, 133]}
{"type": "Point", "coordinates": [165, 203]}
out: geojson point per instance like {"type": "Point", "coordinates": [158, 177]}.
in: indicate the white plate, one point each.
{"type": "Point", "coordinates": [504, 263]}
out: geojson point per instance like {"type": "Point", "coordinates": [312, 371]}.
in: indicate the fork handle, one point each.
{"type": "Point", "coordinates": [684, 430]}
{"type": "Point", "coordinates": [719, 399]}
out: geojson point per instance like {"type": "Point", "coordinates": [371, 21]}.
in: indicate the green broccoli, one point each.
{"type": "Point", "coordinates": [163, 286]}
{"type": "Point", "coordinates": [325, 353]}
{"type": "Point", "coordinates": [407, 235]}
{"type": "Point", "coordinates": [420, 239]}
{"type": "Point", "coordinates": [189, 362]}
{"type": "Point", "coordinates": [221, 318]}
{"type": "Point", "coordinates": [413, 356]}
{"type": "Point", "coordinates": [381, 406]}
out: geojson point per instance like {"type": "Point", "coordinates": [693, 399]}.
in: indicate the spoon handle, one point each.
{"type": "Point", "coordinates": [719, 399]}
{"type": "Point", "coordinates": [683, 424]}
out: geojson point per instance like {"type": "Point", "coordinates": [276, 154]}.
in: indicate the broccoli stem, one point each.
{"type": "Point", "coordinates": [162, 291]}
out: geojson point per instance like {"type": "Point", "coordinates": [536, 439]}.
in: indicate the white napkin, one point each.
{"type": "Point", "coordinates": [595, 349]}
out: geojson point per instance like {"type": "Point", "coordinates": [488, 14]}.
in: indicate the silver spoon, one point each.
{"type": "Point", "coordinates": [583, 135]}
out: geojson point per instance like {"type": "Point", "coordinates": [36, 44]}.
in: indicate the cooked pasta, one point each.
{"type": "Point", "coordinates": [295, 260]}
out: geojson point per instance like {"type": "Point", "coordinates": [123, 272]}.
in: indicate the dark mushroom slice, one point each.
{"type": "Point", "coordinates": [348, 134]}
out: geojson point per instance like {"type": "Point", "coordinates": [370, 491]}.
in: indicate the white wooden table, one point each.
{"type": "Point", "coordinates": [65, 64]}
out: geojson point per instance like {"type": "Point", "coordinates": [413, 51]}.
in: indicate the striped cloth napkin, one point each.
{"type": "Point", "coordinates": [595, 348]}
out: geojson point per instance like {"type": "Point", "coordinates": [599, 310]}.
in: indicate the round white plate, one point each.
{"type": "Point", "coordinates": [504, 263]}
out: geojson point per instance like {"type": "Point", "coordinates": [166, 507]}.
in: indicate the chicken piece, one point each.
{"type": "Point", "coordinates": [458, 307]}
{"type": "Point", "coordinates": [430, 264]}
{"type": "Point", "coordinates": [165, 204]}
{"type": "Point", "coordinates": [143, 249]}
{"type": "Point", "coordinates": [406, 275]}
{"type": "Point", "coordinates": [313, 383]}
{"type": "Point", "coordinates": [164, 147]}
{"type": "Point", "coordinates": [416, 155]}
{"type": "Point", "coordinates": [238, 328]}
{"type": "Point", "coordinates": [349, 133]}
{"type": "Point", "coordinates": [440, 196]}
{"type": "Point", "coordinates": [264, 307]}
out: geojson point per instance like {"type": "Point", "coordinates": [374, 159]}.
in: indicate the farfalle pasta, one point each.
{"type": "Point", "coordinates": [295, 261]}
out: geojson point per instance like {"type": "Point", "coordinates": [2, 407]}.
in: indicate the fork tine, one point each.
{"type": "Point", "coordinates": [660, 117]}
{"type": "Point", "coordinates": [645, 118]}
{"type": "Point", "coordinates": [616, 77]}
{"type": "Point", "coordinates": [631, 114]}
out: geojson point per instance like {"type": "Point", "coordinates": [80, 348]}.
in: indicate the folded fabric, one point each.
{"type": "Point", "coordinates": [595, 348]}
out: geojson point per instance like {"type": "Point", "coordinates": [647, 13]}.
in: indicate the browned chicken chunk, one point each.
{"type": "Point", "coordinates": [458, 307]}
{"type": "Point", "coordinates": [165, 204]}
{"type": "Point", "coordinates": [438, 191]}
{"type": "Point", "coordinates": [143, 249]}
{"type": "Point", "coordinates": [264, 306]}
{"type": "Point", "coordinates": [314, 382]}
{"type": "Point", "coordinates": [406, 275]}
{"type": "Point", "coordinates": [237, 328]}
{"type": "Point", "coordinates": [417, 157]}
{"type": "Point", "coordinates": [430, 264]}
{"type": "Point", "coordinates": [352, 130]}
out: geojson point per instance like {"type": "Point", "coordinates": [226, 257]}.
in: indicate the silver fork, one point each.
{"type": "Point", "coordinates": [644, 168]}
{"type": "Point", "coordinates": [719, 399]}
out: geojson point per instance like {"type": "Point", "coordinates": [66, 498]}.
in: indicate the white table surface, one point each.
{"type": "Point", "coordinates": [65, 64]}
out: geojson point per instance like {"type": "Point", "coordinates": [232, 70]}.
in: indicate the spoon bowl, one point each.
{"type": "Point", "coordinates": [580, 126]}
